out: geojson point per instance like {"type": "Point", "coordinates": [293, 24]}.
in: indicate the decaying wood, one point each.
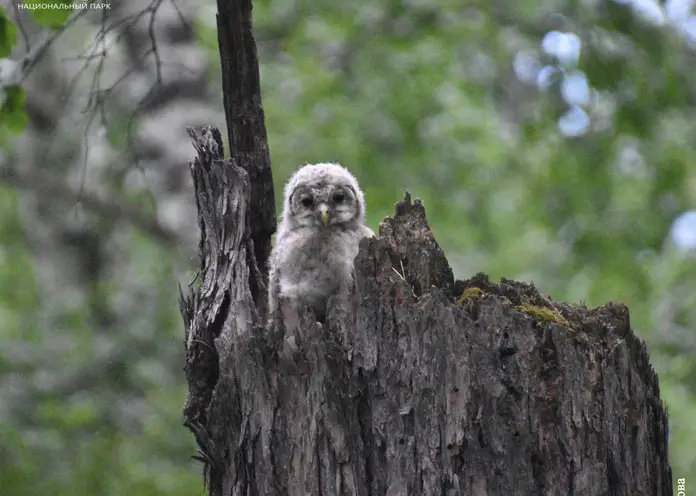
{"type": "Point", "coordinates": [426, 385]}
{"type": "Point", "coordinates": [236, 222]}
{"type": "Point", "coordinates": [222, 198]}
{"type": "Point", "coordinates": [246, 128]}
{"type": "Point", "coordinates": [425, 391]}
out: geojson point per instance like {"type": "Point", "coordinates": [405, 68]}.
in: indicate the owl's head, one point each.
{"type": "Point", "coordinates": [323, 196]}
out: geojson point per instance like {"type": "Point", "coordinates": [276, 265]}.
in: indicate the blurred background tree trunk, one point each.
{"type": "Point", "coordinates": [428, 386]}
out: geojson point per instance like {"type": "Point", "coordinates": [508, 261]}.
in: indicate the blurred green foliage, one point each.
{"type": "Point", "coordinates": [12, 115]}
{"type": "Point", "coordinates": [417, 95]}
{"type": "Point", "coordinates": [13, 118]}
{"type": "Point", "coordinates": [8, 34]}
{"type": "Point", "coordinates": [46, 14]}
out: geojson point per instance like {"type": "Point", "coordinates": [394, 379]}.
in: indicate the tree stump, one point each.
{"type": "Point", "coordinates": [427, 386]}
{"type": "Point", "coordinates": [430, 387]}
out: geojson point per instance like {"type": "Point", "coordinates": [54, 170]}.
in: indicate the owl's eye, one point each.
{"type": "Point", "coordinates": [338, 197]}
{"type": "Point", "coordinates": [307, 202]}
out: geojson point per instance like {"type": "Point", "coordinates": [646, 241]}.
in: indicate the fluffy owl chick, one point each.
{"type": "Point", "coordinates": [322, 224]}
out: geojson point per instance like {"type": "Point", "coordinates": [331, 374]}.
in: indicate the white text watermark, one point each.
{"type": "Point", "coordinates": [64, 6]}
{"type": "Point", "coordinates": [681, 487]}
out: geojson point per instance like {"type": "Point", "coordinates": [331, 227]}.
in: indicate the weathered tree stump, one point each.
{"type": "Point", "coordinates": [428, 386]}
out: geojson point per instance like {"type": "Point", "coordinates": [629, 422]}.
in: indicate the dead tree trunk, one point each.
{"type": "Point", "coordinates": [430, 386]}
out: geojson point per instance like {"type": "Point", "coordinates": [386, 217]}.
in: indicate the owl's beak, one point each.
{"type": "Point", "coordinates": [324, 214]}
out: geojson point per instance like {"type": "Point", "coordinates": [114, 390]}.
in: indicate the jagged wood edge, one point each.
{"type": "Point", "coordinates": [222, 193]}
{"type": "Point", "coordinates": [236, 215]}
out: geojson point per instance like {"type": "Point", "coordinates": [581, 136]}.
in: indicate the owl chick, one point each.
{"type": "Point", "coordinates": [322, 224]}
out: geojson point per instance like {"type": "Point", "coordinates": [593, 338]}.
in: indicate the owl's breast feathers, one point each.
{"type": "Point", "coordinates": [317, 264]}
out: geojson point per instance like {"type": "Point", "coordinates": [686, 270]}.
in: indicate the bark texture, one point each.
{"type": "Point", "coordinates": [432, 386]}
{"type": "Point", "coordinates": [423, 385]}
{"type": "Point", "coordinates": [241, 93]}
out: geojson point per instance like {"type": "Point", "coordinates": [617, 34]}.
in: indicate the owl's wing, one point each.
{"type": "Point", "coordinates": [273, 282]}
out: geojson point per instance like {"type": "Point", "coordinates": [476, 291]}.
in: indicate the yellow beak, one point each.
{"type": "Point", "coordinates": [324, 217]}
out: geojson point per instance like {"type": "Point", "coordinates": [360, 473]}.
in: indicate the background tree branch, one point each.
{"type": "Point", "coordinates": [41, 182]}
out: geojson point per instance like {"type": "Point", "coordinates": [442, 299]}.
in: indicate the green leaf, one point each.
{"type": "Point", "coordinates": [54, 17]}
{"type": "Point", "coordinates": [8, 34]}
{"type": "Point", "coordinates": [12, 114]}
